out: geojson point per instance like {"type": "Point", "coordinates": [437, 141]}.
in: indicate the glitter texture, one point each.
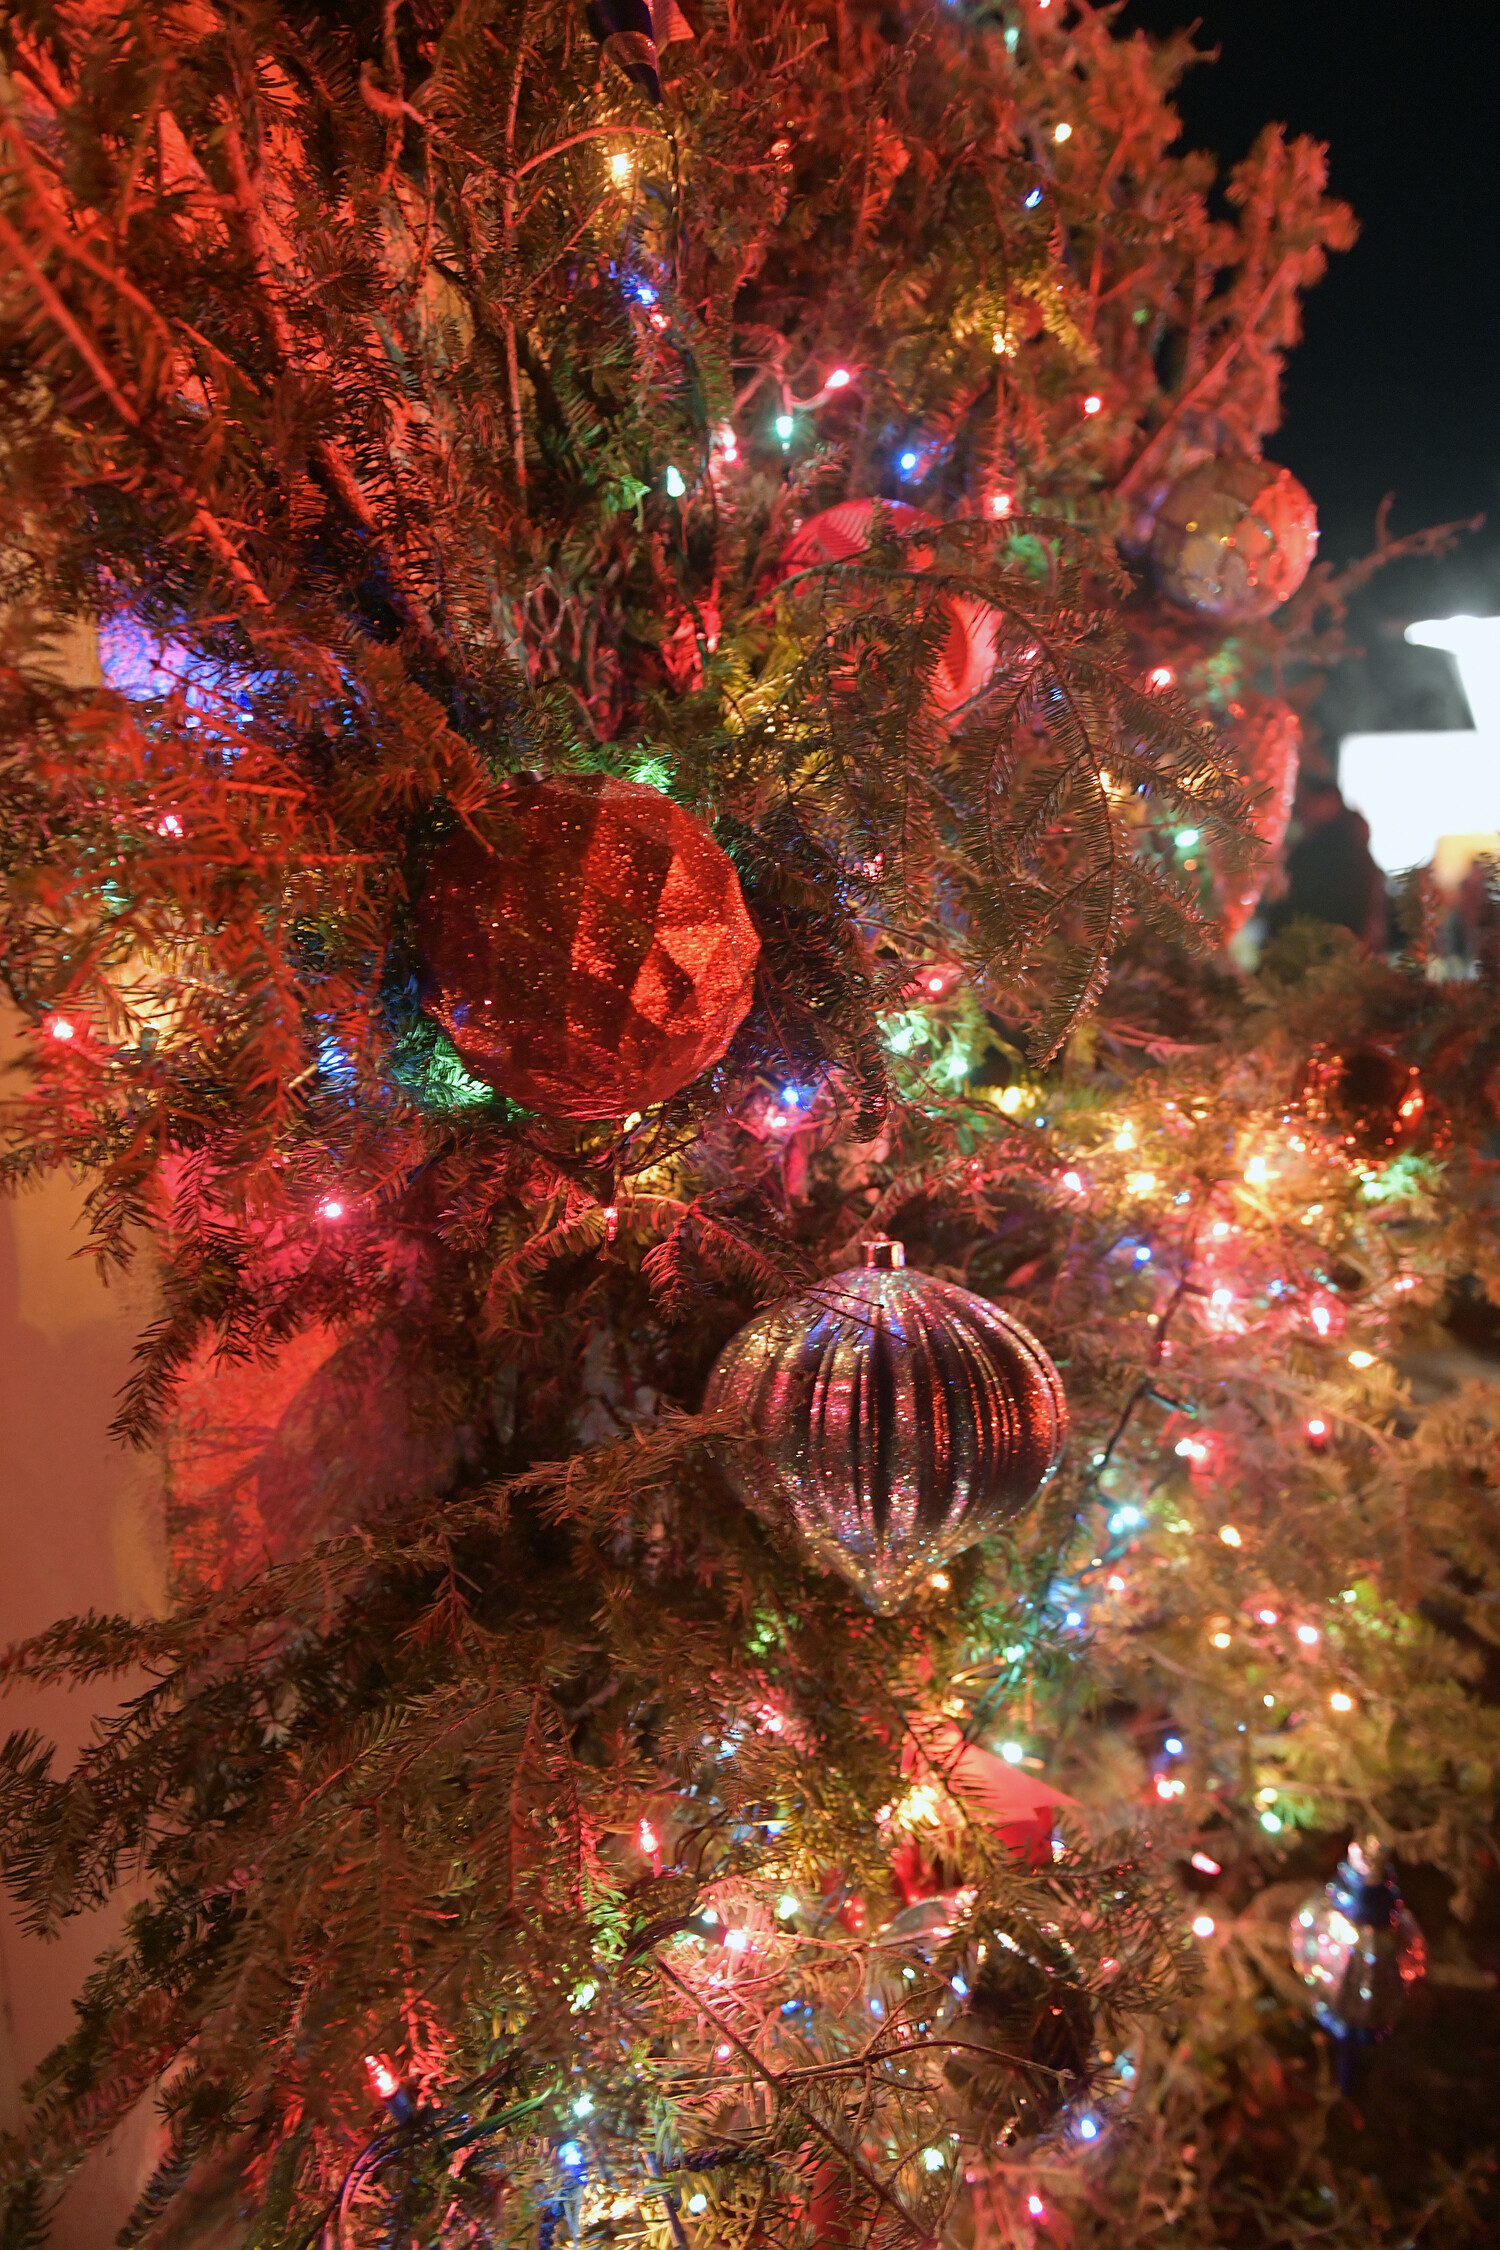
{"type": "Point", "coordinates": [899, 1420]}
{"type": "Point", "coordinates": [589, 953]}
{"type": "Point", "coordinates": [1234, 539]}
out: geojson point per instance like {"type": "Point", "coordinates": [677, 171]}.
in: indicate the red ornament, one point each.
{"type": "Point", "coordinates": [588, 951]}
{"type": "Point", "coordinates": [1234, 539]}
{"type": "Point", "coordinates": [1266, 743]}
{"type": "Point", "coordinates": [1368, 1098]}
{"type": "Point", "coordinates": [967, 657]}
{"type": "Point", "coordinates": [1019, 1808]}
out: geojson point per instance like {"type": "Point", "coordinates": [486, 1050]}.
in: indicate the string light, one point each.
{"type": "Point", "coordinates": [1162, 676]}
{"type": "Point", "coordinates": [58, 1027]}
{"type": "Point", "coordinates": [1203, 1925]}
{"type": "Point", "coordinates": [1317, 1429]}
{"type": "Point", "coordinates": [1186, 838]}
{"type": "Point", "coordinates": [676, 485]}
{"type": "Point", "coordinates": [1205, 1865]}
{"type": "Point", "coordinates": [1141, 1183]}
{"type": "Point", "coordinates": [784, 427]}
{"type": "Point", "coordinates": [1220, 1640]}
{"type": "Point", "coordinates": [729, 447]}
{"type": "Point", "coordinates": [1257, 1172]}
{"type": "Point", "coordinates": [330, 1208]}
{"type": "Point", "coordinates": [1032, 200]}
{"type": "Point", "coordinates": [1230, 1536]}
{"type": "Point", "coordinates": [611, 1221]}
{"type": "Point", "coordinates": [907, 462]}
{"type": "Point", "coordinates": [1087, 2129]}
{"type": "Point", "coordinates": [838, 379]}
{"type": "Point", "coordinates": [1267, 1616]}
{"type": "Point", "coordinates": [1063, 132]}
{"type": "Point", "coordinates": [1034, 2203]}
{"type": "Point", "coordinates": [385, 2081]}
{"type": "Point", "coordinates": [1073, 1182]}
{"type": "Point", "coordinates": [1308, 1635]}
{"type": "Point", "coordinates": [1341, 1702]}
{"type": "Point", "coordinates": [621, 165]}
{"type": "Point", "coordinates": [1361, 1359]}
{"type": "Point", "coordinates": [1125, 1138]}
{"type": "Point", "coordinates": [170, 824]}
{"type": "Point", "coordinates": [1093, 403]}
{"type": "Point", "coordinates": [1012, 1753]}
{"type": "Point", "coordinates": [1001, 503]}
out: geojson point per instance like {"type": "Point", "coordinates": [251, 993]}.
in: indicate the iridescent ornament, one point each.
{"type": "Point", "coordinates": [588, 950]}
{"type": "Point", "coordinates": [1358, 1949]}
{"type": "Point", "coordinates": [899, 1419]}
{"type": "Point", "coordinates": [1234, 539]}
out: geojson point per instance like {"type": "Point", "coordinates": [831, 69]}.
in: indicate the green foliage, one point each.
{"type": "Point", "coordinates": [342, 369]}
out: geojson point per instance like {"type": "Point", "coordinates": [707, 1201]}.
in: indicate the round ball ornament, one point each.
{"type": "Point", "coordinates": [1358, 1948]}
{"type": "Point", "coordinates": [899, 1419]}
{"type": "Point", "coordinates": [1234, 539]}
{"type": "Point", "coordinates": [1367, 1096]}
{"type": "Point", "coordinates": [586, 945]}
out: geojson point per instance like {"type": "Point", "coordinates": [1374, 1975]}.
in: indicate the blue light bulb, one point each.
{"type": "Point", "coordinates": [908, 462]}
{"type": "Point", "coordinates": [1173, 1746]}
{"type": "Point", "coordinates": [1033, 199]}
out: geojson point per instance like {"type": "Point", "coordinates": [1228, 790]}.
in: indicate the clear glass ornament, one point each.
{"type": "Point", "coordinates": [1358, 1947]}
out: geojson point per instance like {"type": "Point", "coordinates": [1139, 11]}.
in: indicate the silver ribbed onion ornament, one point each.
{"type": "Point", "coordinates": [899, 1419]}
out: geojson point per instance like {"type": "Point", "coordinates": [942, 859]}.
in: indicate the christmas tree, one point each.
{"type": "Point", "coordinates": [701, 656]}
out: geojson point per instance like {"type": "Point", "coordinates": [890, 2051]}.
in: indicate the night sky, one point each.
{"type": "Point", "coordinates": [1396, 386]}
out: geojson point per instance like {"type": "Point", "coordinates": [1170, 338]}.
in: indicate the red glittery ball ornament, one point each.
{"type": "Point", "coordinates": [587, 951]}
{"type": "Point", "coordinates": [1234, 539]}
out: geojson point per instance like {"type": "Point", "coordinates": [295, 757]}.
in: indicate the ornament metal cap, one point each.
{"type": "Point", "coordinates": [885, 1255]}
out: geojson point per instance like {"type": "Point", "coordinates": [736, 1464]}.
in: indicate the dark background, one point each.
{"type": "Point", "coordinates": [1396, 385]}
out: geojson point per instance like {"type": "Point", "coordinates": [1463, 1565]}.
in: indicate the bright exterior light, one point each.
{"type": "Point", "coordinates": [1125, 1138]}
{"type": "Point", "coordinates": [1418, 789]}
{"type": "Point", "coordinates": [1203, 1925]}
{"type": "Point", "coordinates": [837, 380]}
{"type": "Point", "coordinates": [1063, 132]}
{"type": "Point", "coordinates": [621, 165]}
{"type": "Point", "coordinates": [1093, 403]}
{"type": "Point", "coordinates": [676, 487]}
